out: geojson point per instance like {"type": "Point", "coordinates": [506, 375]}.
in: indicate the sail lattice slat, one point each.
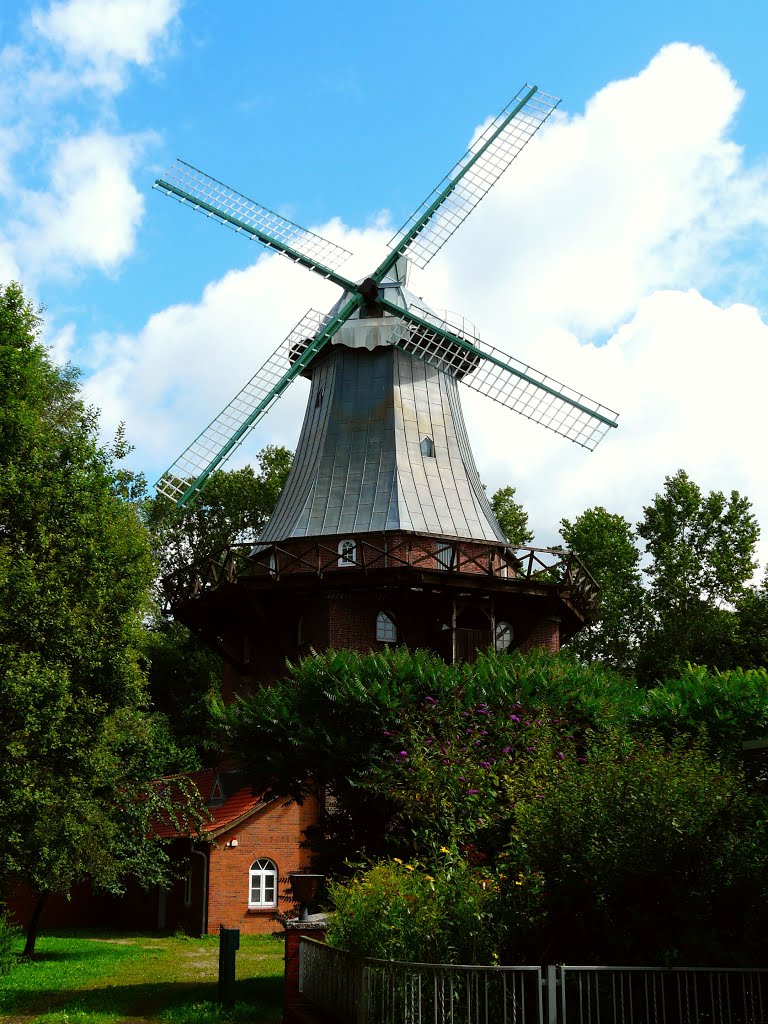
{"type": "Point", "coordinates": [475, 181]}
{"type": "Point", "coordinates": [219, 201]}
{"type": "Point", "coordinates": [503, 378]}
{"type": "Point", "coordinates": [235, 421]}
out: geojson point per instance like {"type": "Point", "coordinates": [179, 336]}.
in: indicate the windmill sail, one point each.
{"type": "Point", "coordinates": [227, 431]}
{"type": "Point", "coordinates": [431, 225]}
{"type": "Point", "coordinates": [501, 377]}
{"type": "Point", "coordinates": [224, 204]}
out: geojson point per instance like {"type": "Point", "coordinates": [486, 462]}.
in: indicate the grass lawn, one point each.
{"type": "Point", "coordinates": [91, 977]}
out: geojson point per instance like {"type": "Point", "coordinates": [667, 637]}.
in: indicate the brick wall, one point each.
{"type": "Point", "coordinates": [274, 833]}
{"type": "Point", "coordinates": [545, 633]}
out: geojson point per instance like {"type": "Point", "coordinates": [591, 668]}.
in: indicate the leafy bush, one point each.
{"type": "Point", "coordinates": [645, 852]}
{"type": "Point", "coordinates": [732, 706]}
{"type": "Point", "coordinates": [397, 911]}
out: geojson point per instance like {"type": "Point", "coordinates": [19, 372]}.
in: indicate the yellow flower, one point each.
{"type": "Point", "coordinates": [429, 878]}
{"type": "Point", "coordinates": [409, 867]}
{"type": "Point", "coordinates": [444, 849]}
{"type": "Point", "coordinates": [397, 860]}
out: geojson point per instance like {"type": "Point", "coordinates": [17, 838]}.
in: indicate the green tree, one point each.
{"type": "Point", "coordinates": [184, 673]}
{"type": "Point", "coordinates": [702, 555]}
{"type": "Point", "coordinates": [606, 544]}
{"type": "Point", "coordinates": [234, 507]}
{"type": "Point", "coordinates": [512, 517]}
{"type": "Point", "coordinates": [752, 617]}
{"type": "Point", "coordinates": [75, 567]}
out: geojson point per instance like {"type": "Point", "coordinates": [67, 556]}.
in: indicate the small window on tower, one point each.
{"type": "Point", "coordinates": [319, 397]}
{"type": "Point", "coordinates": [386, 630]}
{"type": "Point", "coordinates": [427, 447]}
{"type": "Point", "coordinates": [347, 552]}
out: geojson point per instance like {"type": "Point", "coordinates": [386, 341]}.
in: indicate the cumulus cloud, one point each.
{"type": "Point", "coordinates": [90, 211]}
{"type": "Point", "coordinates": [104, 37]}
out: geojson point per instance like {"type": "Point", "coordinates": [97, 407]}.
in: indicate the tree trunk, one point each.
{"type": "Point", "coordinates": [34, 923]}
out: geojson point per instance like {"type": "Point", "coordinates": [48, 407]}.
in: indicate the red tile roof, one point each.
{"type": "Point", "coordinates": [240, 804]}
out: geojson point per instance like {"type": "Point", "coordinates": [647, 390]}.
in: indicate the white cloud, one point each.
{"type": "Point", "coordinates": [89, 214]}
{"type": "Point", "coordinates": [103, 37]}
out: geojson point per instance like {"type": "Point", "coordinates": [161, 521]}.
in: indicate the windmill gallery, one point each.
{"type": "Point", "coordinates": [383, 533]}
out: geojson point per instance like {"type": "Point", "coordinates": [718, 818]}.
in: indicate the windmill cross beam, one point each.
{"type": "Point", "coordinates": [379, 311]}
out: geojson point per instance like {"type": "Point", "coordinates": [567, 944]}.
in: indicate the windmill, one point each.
{"type": "Point", "coordinates": [383, 450]}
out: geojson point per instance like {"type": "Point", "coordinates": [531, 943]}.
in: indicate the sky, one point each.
{"type": "Point", "coordinates": [624, 253]}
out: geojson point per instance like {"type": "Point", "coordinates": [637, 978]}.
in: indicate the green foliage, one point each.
{"type": "Point", "coordinates": [641, 844]}
{"type": "Point", "coordinates": [441, 914]}
{"type": "Point", "coordinates": [512, 517]}
{"type": "Point", "coordinates": [727, 707]}
{"type": "Point", "coordinates": [331, 726]}
{"type": "Point", "coordinates": [185, 688]}
{"type": "Point", "coordinates": [234, 507]}
{"type": "Point", "coordinates": [702, 555]}
{"type": "Point", "coordinates": [606, 544]}
{"type": "Point", "coordinates": [75, 568]}
{"type": "Point", "coordinates": [585, 816]}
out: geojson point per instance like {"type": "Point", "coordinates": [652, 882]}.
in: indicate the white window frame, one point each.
{"type": "Point", "coordinates": [262, 884]}
{"type": "Point", "coordinates": [386, 630]}
{"type": "Point", "coordinates": [347, 550]}
{"type": "Point", "coordinates": [502, 629]}
{"type": "Point", "coordinates": [427, 447]}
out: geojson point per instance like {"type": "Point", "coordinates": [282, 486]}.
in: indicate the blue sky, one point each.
{"type": "Point", "coordinates": [624, 253]}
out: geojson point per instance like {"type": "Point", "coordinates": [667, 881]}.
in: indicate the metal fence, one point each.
{"type": "Point", "coordinates": [362, 990]}
{"type": "Point", "coordinates": [644, 995]}
{"type": "Point", "coordinates": [356, 990]}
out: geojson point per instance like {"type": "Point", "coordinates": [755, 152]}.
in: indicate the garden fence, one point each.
{"type": "Point", "coordinates": [363, 990]}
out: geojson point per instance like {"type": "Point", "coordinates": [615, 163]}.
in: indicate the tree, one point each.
{"type": "Point", "coordinates": [752, 617]}
{"type": "Point", "coordinates": [75, 566]}
{"type": "Point", "coordinates": [605, 542]}
{"type": "Point", "coordinates": [184, 674]}
{"type": "Point", "coordinates": [702, 555]}
{"type": "Point", "coordinates": [234, 506]}
{"type": "Point", "coordinates": [512, 517]}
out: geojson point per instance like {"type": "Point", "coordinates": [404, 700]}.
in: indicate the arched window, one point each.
{"type": "Point", "coordinates": [273, 563]}
{"type": "Point", "coordinates": [262, 889]}
{"type": "Point", "coordinates": [504, 636]}
{"type": "Point", "coordinates": [347, 552]}
{"type": "Point", "coordinates": [428, 447]}
{"type": "Point", "coordinates": [386, 630]}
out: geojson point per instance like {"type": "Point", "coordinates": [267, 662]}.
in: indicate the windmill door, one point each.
{"type": "Point", "coordinates": [470, 641]}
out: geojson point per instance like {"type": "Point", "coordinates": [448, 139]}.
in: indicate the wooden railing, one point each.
{"type": "Point", "coordinates": [535, 567]}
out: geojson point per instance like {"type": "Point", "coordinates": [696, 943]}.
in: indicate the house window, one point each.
{"type": "Point", "coordinates": [188, 887]}
{"type": "Point", "coordinates": [503, 636]}
{"type": "Point", "coordinates": [347, 552]}
{"type": "Point", "coordinates": [262, 891]}
{"type": "Point", "coordinates": [386, 630]}
{"type": "Point", "coordinates": [273, 563]}
{"type": "Point", "coordinates": [428, 447]}
{"type": "Point", "coordinates": [445, 555]}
